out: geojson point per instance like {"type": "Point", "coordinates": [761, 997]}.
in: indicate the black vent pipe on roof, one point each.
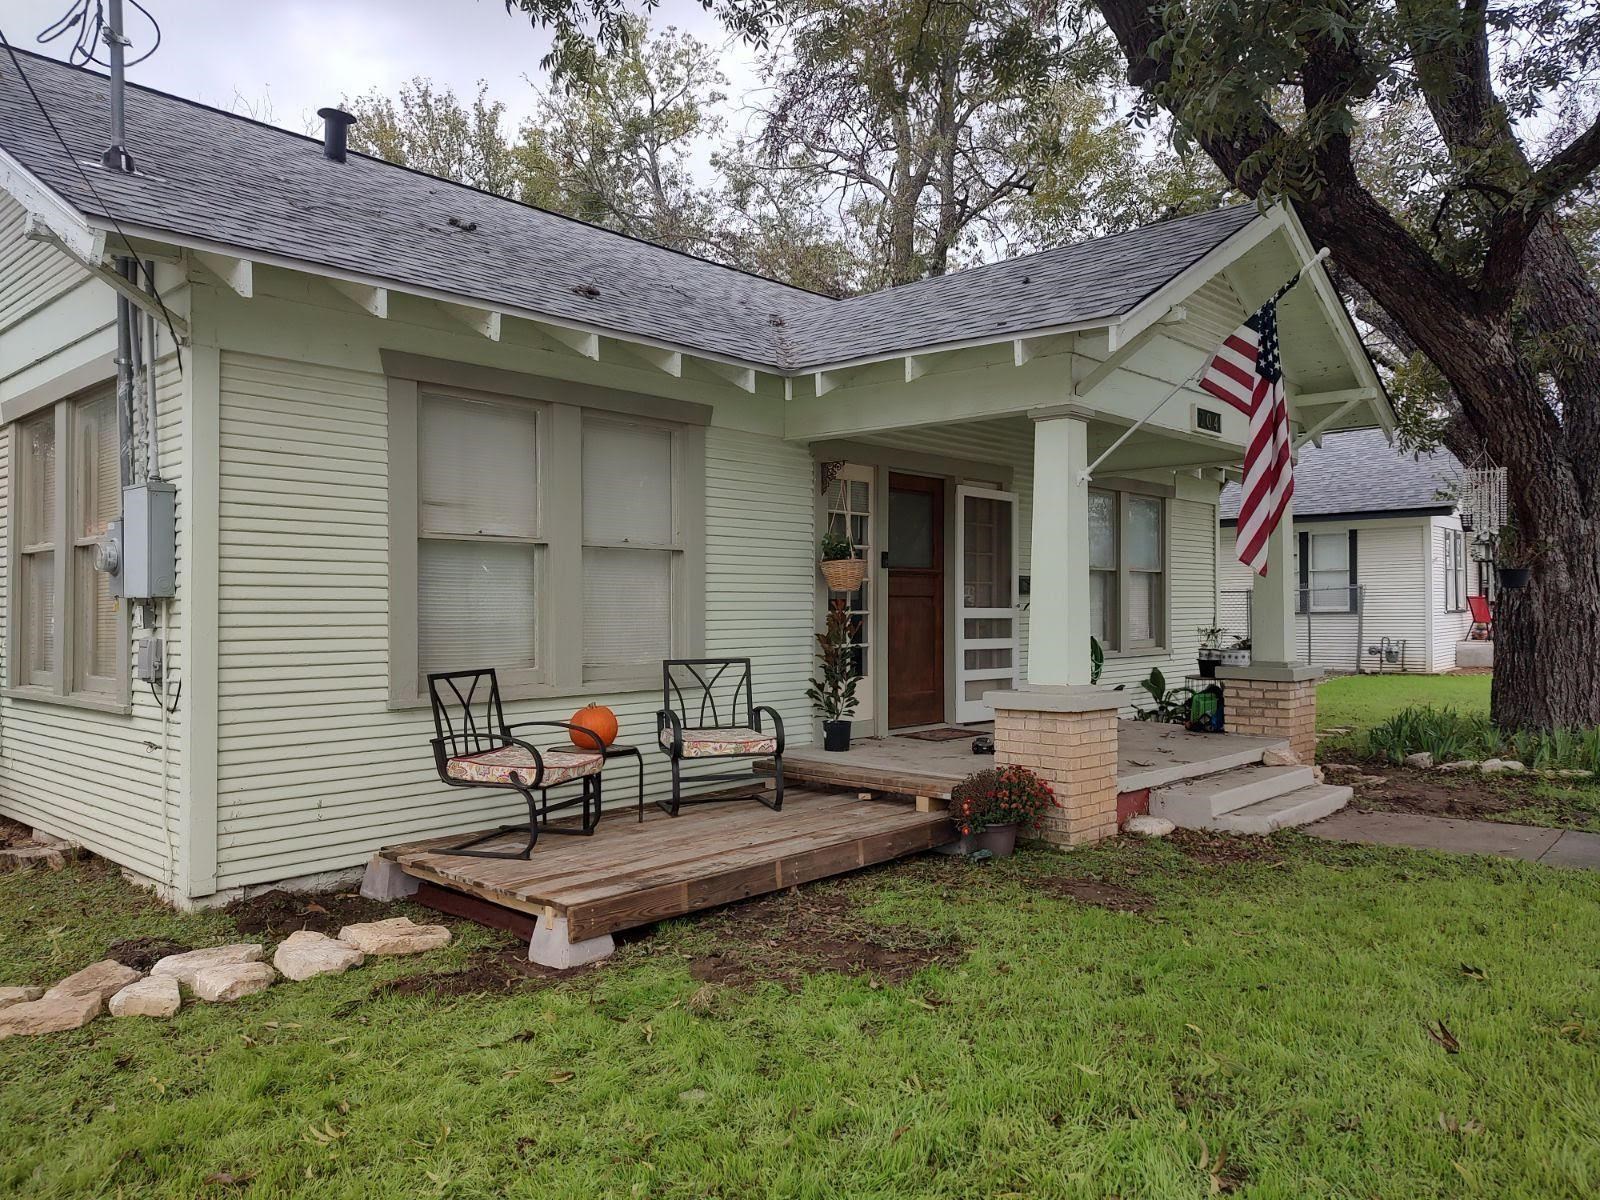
{"type": "Point", "coordinates": [335, 125]}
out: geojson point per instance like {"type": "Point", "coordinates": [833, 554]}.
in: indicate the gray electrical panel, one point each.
{"type": "Point", "coordinates": [149, 540]}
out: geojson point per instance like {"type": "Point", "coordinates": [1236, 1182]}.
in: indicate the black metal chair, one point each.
{"type": "Point", "coordinates": [708, 710]}
{"type": "Point", "coordinates": [474, 747]}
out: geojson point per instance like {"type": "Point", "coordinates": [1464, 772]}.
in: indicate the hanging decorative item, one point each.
{"type": "Point", "coordinates": [839, 564]}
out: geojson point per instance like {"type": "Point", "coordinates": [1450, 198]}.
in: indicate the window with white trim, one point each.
{"type": "Point", "coordinates": [1127, 570]}
{"type": "Point", "coordinates": [68, 637]}
{"type": "Point", "coordinates": [1329, 574]}
{"type": "Point", "coordinates": [1455, 570]}
{"type": "Point", "coordinates": [551, 543]}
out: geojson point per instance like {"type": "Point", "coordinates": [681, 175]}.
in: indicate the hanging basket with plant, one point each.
{"type": "Point", "coordinates": [1514, 557]}
{"type": "Point", "coordinates": [840, 566]}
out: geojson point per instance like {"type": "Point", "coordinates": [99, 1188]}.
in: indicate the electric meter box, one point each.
{"type": "Point", "coordinates": [149, 540]}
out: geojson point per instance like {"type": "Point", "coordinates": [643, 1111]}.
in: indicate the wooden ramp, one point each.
{"type": "Point", "coordinates": [630, 873]}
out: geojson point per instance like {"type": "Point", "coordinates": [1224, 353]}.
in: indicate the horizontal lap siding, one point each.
{"type": "Point", "coordinates": [31, 273]}
{"type": "Point", "coordinates": [315, 771]}
{"type": "Point", "coordinates": [103, 779]}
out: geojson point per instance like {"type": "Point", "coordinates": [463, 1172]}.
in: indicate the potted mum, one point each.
{"type": "Point", "coordinates": [840, 566]}
{"type": "Point", "coordinates": [833, 692]}
{"type": "Point", "coordinates": [990, 807]}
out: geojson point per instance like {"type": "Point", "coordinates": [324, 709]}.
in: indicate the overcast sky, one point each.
{"type": "Point", "coordinates": [294, 56]}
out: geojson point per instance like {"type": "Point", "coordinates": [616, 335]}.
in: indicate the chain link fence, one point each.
{"type": "Point", "coordinates": [1329, 628]}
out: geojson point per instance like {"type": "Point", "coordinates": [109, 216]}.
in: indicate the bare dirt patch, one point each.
{"type": "Point", "coordinates": [279, 913]}
{"type": "Point", "coordinates": [142, 953]}
{"type": "Point", "coordinates": [488, 972]}
{"type": "Point", "coordinates": [1463, 794]}
{"type": "Point", "coordinates": [1096, 893]}
{"type": "Point", "coordinates": [1221, 849]}
{"type": "Point", "coordinates": [786, 938]}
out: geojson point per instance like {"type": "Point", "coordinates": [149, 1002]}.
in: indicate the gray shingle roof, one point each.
{"type": "Point", "coordinates": [1359, 472]}
{"type": "Point", "coordinates": [210, 174]}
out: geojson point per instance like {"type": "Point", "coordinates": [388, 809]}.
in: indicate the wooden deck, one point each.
{"type": "Point", "coordinates": [630, 873]}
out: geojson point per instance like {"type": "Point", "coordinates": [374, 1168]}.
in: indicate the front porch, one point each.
{"type": "Point", "coordinates": [1149, 755]}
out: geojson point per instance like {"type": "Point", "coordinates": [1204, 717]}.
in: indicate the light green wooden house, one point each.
{"type": "Point", "coordinates": [414, 426]}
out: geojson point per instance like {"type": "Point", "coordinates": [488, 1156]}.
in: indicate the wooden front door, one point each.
{"type": "Point", "coordinates": [916, 601]}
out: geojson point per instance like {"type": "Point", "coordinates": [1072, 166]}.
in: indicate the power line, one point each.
{"type": "Point", "coordinates": [149, 271]}
{"type": "Point", "coordinates": [89, 19]}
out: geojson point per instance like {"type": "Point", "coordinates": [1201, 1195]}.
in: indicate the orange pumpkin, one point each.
{"type": "Point", "coordinates": [599, 720]}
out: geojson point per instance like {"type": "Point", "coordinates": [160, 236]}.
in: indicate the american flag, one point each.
{"type": "Point", "coordinates": [1247, 372]}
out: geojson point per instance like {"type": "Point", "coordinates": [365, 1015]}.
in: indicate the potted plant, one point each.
{"type": "Point", "coordinates": [1238, 654]}
{"type": "Point", "coordinates": [1210, 652]}
{"type": "Point", "coordinates": [989, 807]}
{"type": "Point", "coordinates": [1513, 558]}
{"type": "Point", "coordinates": [1167, 704]}
{"type": "Point", "coordinates": [833, 692]}
{"type": "Point", "coordinates": [840, 566]}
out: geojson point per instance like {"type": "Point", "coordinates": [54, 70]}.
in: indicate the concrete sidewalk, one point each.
{"type": "Point", "coordinates": [1552, 847]}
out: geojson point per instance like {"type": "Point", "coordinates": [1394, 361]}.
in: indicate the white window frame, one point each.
{"type": "Point", "coordinates": [1455, 570]}
{"type": "Point", "coordinates": [563, 408]}
{"type": "Point", "coordinates": [68, 681]}
{"type": "Point", "coordinates": [1117, 643]}
{"type": "Point", "coordinates": [1335, 598]}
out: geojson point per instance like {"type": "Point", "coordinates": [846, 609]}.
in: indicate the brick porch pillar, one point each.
{"type": "Point", "coordinates": [1068, 736]}
{"type": "Point", "coordinates": [1273, 700]}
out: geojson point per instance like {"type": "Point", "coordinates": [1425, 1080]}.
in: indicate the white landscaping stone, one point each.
{"type": "Point", "coordinates": [1461, 764]}
{"type": "Point", "coordinates": [184, 967]}
{"type": "Point", "coordinates": [1422, 760]}
{"type": "Point", "coordinates": [157, 996]}
{"type": "Point", "coordinates": [397, 935]}
{"type": "Point", "coordinates": [1276, 756]}
{"type": "Point", "coordinates": [17, 857]}
{"type": "Point", "coordinates": [1501, 766]}
{"type": "Point", "coordinates": [51, 1014]}
{"type": "Point", "coordinates": [103, 979]}
{"type": "Point", "coordinates": [305, 953]}
{"type": "Point", "coordinates": [18, 995]}
{"type": "Point", "coordinates": [233, 981]}
{"type": "Point", "coordinates": [1147, 826]}
{"type": "Point", "coordinates": [1574, 773]}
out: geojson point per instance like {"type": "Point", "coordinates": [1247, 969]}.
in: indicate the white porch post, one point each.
{"type": "Point", "coordinates": [1058, 634]}
{"type": "Point", "coordinates": [1273, 598]}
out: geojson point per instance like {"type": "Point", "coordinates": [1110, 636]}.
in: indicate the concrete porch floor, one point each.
{"type": "Point", "coordinates": [1148, 755]}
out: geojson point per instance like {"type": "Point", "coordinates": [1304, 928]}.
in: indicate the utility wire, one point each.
{"type": "Point", "coordinates": [105, 208]}
{"type": "Point", "coordinates": [88, 17]}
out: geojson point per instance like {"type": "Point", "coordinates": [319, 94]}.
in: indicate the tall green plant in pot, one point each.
{"type": "Point", "coordinates": [833, 692]}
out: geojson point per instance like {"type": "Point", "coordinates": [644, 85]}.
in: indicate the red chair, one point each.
{"type": "Point", "coordinates": [1482, 619]}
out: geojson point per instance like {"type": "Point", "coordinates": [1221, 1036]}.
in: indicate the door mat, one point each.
{"type": "Point", "coordinates": [948, 733]}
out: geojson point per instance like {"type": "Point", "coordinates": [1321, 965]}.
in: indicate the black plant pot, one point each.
{"type": "Point", "coordinates": [1208, 668]}
{"type": "Point", "coordinates": [836, 736]}
{"type": "Point", "coordinates": [1512, 578]}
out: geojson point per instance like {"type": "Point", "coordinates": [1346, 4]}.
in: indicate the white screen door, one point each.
{"type": "Point", "coordinates": [986, 620]}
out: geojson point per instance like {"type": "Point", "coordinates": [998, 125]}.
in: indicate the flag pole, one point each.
{"type": "Point", "coordinates": [1087, 474]}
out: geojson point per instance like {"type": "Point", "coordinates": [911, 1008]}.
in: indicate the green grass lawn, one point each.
{"type": "Point", "coordinates": [1259, 1028]}
{"type": "Point", "coordinates": [1359, 702]}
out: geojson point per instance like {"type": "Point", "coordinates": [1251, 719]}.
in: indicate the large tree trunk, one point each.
{"type": "Point", "coordinates": [1547, 652]}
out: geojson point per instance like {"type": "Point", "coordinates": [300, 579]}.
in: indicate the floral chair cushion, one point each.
{"type": "Point", "coordinates": [513, 764]}
{"type": "Point", "coordinates": [719, 743]}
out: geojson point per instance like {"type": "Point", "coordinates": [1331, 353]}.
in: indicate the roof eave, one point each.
{"type": "Point", "coordinates": [49, 209]}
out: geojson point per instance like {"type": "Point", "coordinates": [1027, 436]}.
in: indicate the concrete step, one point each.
{"type": "Point", "coordinates": [1195, 801]}
{"type": "Point", "coordinates": [1284, 812]}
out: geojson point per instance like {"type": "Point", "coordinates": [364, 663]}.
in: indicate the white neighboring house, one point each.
{"type": "Point", "coordinates": [413, 427]}
{"type": "Point", "coordinates": [1384, 565]}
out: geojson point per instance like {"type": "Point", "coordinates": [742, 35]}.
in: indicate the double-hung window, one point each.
{"type": "Point", "coordinates": [1127, 570]}
{"type": "Point", "coordinates": [1455, 570]}
{"type": "Point", "coordinates": [558, 543]}
{"type": "Point", "coordinates": [1329, 572]}
{"type": "Point", "coordinates": [68, 638]}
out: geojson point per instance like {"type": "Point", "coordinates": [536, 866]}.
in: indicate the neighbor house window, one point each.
{"type": "Point", "coordinates": [1127, 570]}
{"type": "Point", "coordinates": [1329, 575]}
{"type": "Point", "coordinates": [550, 542]}
{"type": "Point", "coordinates": [1455, 570]}
{"type": "Point", "coordinates": [67, 631]}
